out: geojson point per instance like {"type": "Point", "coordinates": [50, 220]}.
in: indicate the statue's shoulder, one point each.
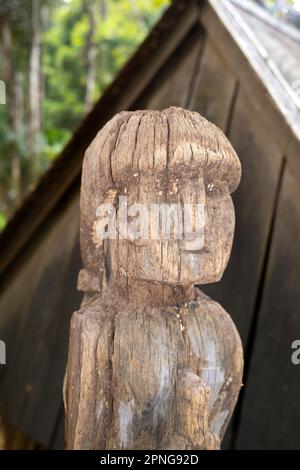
{"type": "Point", "coordinates": [206, 318]}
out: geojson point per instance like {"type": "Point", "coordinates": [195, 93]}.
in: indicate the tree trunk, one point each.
{"type": "Point", "coordinates": [13, 94]}
{"type": "Point", "coordinates": [90, 55]}
{"type": "Point", "coordinates": [138, 14]}
{"type": "Point", "coordinates": [35, 88]}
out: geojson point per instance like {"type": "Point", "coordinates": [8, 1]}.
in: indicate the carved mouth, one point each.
{"type": "Point", "coordinates": [201, 251]}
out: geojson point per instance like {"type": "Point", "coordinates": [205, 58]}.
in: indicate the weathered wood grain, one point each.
{"type": "Point", "coordinates": [153, 362]}
{"type": "Point", "coordinates": [152, 378]}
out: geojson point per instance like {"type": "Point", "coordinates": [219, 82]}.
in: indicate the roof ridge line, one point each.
{"type": "Point", "coordinates": [229, 13]}
{"type": "Point", "coordinates": [261, 14]}
{"type": "Point", "coordinates": [266, 56]}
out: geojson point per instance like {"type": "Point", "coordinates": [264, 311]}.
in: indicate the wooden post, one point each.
{"type": "Point", "coordinates": [153, 362]}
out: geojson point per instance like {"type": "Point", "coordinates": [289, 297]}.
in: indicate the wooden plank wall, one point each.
{"type": "Point", "coordinates": [36, 303]}
{"type": "Point", "coordinates": [270, 416]}
{"type": "Point", "coordinates": [174, 83]}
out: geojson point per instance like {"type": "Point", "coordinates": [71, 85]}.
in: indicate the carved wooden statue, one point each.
{"type": "Point", "coordinates": [153, 362]}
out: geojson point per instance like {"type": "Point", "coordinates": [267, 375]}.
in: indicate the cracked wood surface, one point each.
{"type": "Point", "coordinates": [158, 378]}
{"type": "Point", "coordinates": [153, 362]}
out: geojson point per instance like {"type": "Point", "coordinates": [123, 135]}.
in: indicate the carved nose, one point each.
{"type": "Point", "coordinates": [193, 240]}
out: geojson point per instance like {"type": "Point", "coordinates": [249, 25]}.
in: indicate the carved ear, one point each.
{"type": "Point", "coordinates": [89, 282]}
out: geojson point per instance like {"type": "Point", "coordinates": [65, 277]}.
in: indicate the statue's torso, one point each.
{"type": "Point", "coordinates": [167, 376]}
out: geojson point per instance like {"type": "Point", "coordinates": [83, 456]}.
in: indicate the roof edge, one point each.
{"type": "Point", "coordinates": [283, 98]}
{"type": "Point", "coordinates": [258, 12]}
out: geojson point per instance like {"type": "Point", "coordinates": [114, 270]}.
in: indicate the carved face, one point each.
{"type": "Point", "coordinates": [179, 232]}
{"type": "Point", "coordinates": [160, 182]}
